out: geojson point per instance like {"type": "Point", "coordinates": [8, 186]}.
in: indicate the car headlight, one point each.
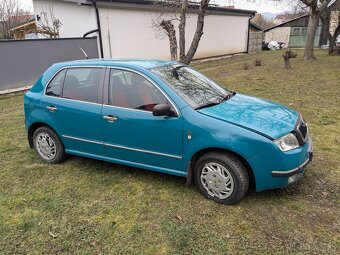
{"type": "Point", "coordinates": [287, 142]}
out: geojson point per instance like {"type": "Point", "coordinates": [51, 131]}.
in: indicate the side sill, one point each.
{"type": "Point", "coordinates": [128, 163]}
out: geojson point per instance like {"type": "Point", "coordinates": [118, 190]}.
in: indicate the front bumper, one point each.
{"type": "Point", "coordinates": [298, 170]}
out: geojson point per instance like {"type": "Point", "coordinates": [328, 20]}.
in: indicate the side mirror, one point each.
{"type": "Point", "coordinates": [163, 110]}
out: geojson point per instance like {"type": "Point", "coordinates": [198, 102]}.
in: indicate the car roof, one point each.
{"type": "Point", "coordinates": [141, 63]}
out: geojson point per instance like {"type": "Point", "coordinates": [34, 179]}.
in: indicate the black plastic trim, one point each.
{"type": "Point", "coordinates": [290, 172]}
{"type": "Point", "coordinates": [190, 176]}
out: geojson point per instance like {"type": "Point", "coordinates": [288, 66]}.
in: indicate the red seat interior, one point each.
{"type": "Point", "coordinates": [119, 97]}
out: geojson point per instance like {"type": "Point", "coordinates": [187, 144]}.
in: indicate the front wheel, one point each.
{"type": "Point", "coordinates": [221, 177]}
{"type": "Point", "coordinates": [48, 146]}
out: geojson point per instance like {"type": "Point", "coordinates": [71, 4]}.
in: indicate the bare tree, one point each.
{"type": "Point", "coordinates": [47, 23]}
{"type": "Point", "coordinates": [171, 12]}
{"type": "Point", "coordinates": [332, 37]}
{"type": "Point", "coordinates": [262, 22]}
{"type": "Point", "coordinates": [11, 14]}
{"type": "Point", "coordinates": [332, 32]}
{"type": "Point", "coordinates": [297, 8]}
{"type": "Point", "coordinates": [316, 9]}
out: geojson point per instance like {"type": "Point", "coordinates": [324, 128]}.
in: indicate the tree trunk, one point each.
{"type": "Point", "coordinates": [311, 31]}
{"type": "Point", "coordinates": [171, 33]}
{"type": "Point", "coordinates": [332, 39]}
{"type": "Point", "coordinates": [331, 43]}
{"type": "Point", "coordinates": [287, 63]}
{"type": "Point", "coordinates": [181, 28]}
{"type": "Point", "coordinates": [287, 56]}
{"type": "Point", "coordinates": [198, 33]}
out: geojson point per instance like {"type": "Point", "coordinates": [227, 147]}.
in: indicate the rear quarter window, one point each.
{"type": "Point", "coordinates": [55, 86]}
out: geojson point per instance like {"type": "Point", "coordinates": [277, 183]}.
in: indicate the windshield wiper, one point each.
{"type": "Point", "coordinates": [228, 96]}
{"type": "Point", "coordinates": [207, 105]}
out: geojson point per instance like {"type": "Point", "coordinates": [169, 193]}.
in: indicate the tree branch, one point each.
{"type": "Point", "coordinates": [171, 33]}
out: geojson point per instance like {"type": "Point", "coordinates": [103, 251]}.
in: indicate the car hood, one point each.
{"type": "Point", "coordinates": [259, 115]}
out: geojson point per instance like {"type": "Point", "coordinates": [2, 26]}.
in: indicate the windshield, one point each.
{"type": "Point", "coordinates": [196, 89]}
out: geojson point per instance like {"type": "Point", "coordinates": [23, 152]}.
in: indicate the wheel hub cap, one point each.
{"type": "Point", "coordinates": [46, 146]}
{"type": "Point", "coordinates": [217, 180]}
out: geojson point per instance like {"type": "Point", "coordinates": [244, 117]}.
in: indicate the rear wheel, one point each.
{"type": "Point", "coordinates": [48, 146]}
{"type": "Point", "coordinates": [221, 177]}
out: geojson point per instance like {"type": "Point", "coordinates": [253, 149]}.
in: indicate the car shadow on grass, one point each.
{"type": "Point", "coordinates": [303, 188]}
{"type": "Point", "coordinates": [113, 170]}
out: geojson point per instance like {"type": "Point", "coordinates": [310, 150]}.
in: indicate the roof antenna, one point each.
{"type": "Point", "coordinates": [87, 57]}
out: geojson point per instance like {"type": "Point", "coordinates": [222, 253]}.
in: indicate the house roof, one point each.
{"type": "Point", "coordinates": [255, 26]}
{"type": "Point", "coordinates": [145, 4]}
{"type": "Point", "coordinates": [30, 20]}
{"type": "Point", "coordinates": [286, 22]}
{"type": "Point", "coordinates": [286, 16]}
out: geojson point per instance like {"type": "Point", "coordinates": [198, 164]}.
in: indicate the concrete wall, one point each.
{"type": "Point", "coordinates": [23, 61]}
{"type": "Point", "coordinates": [255, 42]}
{"type": "Point", "coordinates": [280, 34]}
{"type": "Point", "coordinates": [128, 33]}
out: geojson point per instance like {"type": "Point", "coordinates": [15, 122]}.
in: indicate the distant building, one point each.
{"type": "Point", "coordinates": [281, 18]}
{"type": "Point", "coordinates": [25, 30]}
{"type": "Point", "coordinates": [5, 25]}
{"type": "Point", "coordinates": [293, 32]}
{"type": "Point", "coordinates": [30, 30]}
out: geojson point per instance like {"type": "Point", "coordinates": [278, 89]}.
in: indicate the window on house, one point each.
{"type": "Point", "coordinates": [54, 87]}
{"type": "Point", "coordinates": [131, 90]}
{"type": "Point", "coordinates": [82, 84]}
{"type": "Point", "coordinates": [304, 31]}
{"type": "Point", "coordinates": [296, 31]}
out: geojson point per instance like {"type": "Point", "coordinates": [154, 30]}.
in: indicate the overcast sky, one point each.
{"type": "Point", "coordinates": [259, 6]}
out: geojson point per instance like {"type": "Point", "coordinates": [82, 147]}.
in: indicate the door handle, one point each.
{"type": "Point", "coordinates": [52, 108]}
{"type": "Point", "coordinates": [110, 118]}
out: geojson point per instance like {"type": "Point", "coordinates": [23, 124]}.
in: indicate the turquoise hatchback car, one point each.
{"type": "Point", "coordinates": [166, 117]}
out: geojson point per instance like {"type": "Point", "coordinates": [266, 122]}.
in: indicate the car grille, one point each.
{"type": "Point", "coordinates": [301, 131]}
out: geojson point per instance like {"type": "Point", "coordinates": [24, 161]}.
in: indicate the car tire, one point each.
{"type": "Point", "coordinates": [48, 145]}
{"type": "Point", "coordinates": [221, 177]}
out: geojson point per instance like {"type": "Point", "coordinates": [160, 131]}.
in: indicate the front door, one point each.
{"type": "Point", "coordinates": [131, 133]}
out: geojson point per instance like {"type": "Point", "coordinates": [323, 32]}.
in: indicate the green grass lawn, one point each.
{"type": "Point", "coordinates": [84, 206]}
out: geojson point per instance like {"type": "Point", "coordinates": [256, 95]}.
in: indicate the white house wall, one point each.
{"type": "Point", "coordinates": [128, 33]}
{"type": "Point", "coordinates": [279, 34]}
{"type": "Point", "coordinates": [76, 20]}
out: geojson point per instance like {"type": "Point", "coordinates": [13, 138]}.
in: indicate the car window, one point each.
{"type": "Point", "coordinates": [54, 87]}
{"type": "Point", "coordinates": [82, 84]}
{"type": "Point", "coordinates": [131, 90]}
{"type": "Point", "coordinates": [192, 86]}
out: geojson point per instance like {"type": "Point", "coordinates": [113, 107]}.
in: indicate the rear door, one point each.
{"type": "Point", "coordinates": [73, 103]}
